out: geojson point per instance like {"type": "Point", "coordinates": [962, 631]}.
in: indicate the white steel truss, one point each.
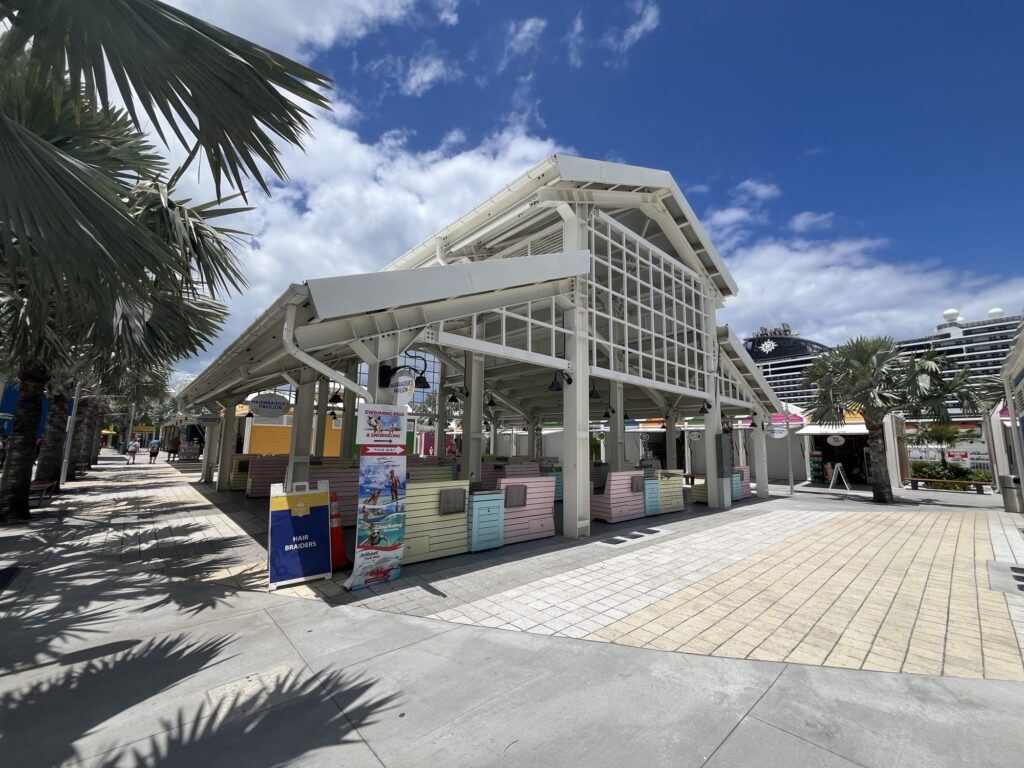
{"type": "Point", "coordinates": [648, 312]}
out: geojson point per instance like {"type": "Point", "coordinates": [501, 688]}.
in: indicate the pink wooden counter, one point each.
{"type": "Point", "coordinates": [536, 520]}
{"type": "Point", "coordinates": [619, 501]}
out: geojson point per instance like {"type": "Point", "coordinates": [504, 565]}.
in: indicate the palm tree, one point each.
{"type": "Point", "coordinates": [221, 94]}
{"type": "Point", "coordinates": [870, 377]}
{"type": "Point", "coordinates": [80, 256]}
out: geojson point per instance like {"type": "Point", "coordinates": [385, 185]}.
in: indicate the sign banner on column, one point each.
{"type": "Point", "coordinates": [299, 535]}
{"type": "Point", "coordinates": [380, 516]}
{"type": "Point", "coordinates": [380, 424]}
{"type": "Point", "coordinates": [380, 519]}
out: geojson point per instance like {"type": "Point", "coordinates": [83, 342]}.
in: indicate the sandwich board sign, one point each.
{"type": "Point", "coordinates": [299, 535]}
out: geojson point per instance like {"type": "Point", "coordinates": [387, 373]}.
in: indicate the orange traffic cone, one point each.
{"type": "Point", "coordinates": [339, 559]}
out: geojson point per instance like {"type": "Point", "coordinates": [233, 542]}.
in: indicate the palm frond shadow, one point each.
{"type": "Point", "coordinates": [276, 725]}
{"type": "Point", "coordinates": [73, 702]}
{"type": "Point", "coordinates": [79, 588]}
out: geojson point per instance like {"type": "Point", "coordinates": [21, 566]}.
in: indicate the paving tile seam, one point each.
{"type": "Point", "coordinates": [895, 534]}
{"type": "Point", "coordinates": [895, 592]}
{"type": "Point", "coordinates": [912, 561]}
{"type": "Point", "coordinates": [810, 554]}
{"type": "Point", "coordinates": [883, 522]}
{"type": "Point", "coordinates": [612, 568]}
{"type": "Point", "coordinates": [746, 714]}
{"type": "Point", "coordinates": [806, 740]}
{"type": "Point", "coordinates": [326, 690]}
{"type": "Point", "coordinates": [784, 545]}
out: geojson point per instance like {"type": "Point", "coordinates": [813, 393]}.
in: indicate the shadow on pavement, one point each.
{"type": "Point", "coordinates": [273, 726]}
{"type": "Point", "coordinates": [72, 585]}
{"type": "Point", "coordinates": [42, 720]}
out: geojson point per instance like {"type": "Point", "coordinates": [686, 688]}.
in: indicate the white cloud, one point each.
{"type": "Point", "coordinates": [522, 38]}
{"type": "Point", "coordinates": [299, 28]}
{"type": "Point", "coordinates": [808, 220]}
{"type": "Point", "coordinates": [352, 205]}
{"type": "Point", "coordinates": [574, 41]}
{"type": "Point", "coordinates": [833, 290]}
{"type": "Point", "coordinates": [697, 189]}
{"type": "Point", "coordinates": [447, 11]}
{"type": "Point", "coordinates": [427, 70]}
{"type": "Point", "coordinates": [728, 226]}
{"type": "Point", "coordinates": [755, 190]}
{"type": "Point", "coordinates": [648, 16]}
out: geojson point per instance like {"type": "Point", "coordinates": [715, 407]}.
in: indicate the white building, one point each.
{"type": "Point", "coordinates": [981, 346]}
{"type": "Point", "coordinates": [582, 286]}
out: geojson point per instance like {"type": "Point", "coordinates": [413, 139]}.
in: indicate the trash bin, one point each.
{"type": "Point", "coordinates": [1009, 485]}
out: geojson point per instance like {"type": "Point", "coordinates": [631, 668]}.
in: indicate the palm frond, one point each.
{"type": "Point", "coordinates": [61, 220]}
{"type": "Point", "coordinates": [231, 96]}
{"type": "Point", "coordinates": [208, 263]}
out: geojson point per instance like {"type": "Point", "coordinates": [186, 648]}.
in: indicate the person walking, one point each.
{"type": "Point", "coordinates": [173, 447]}
{"type": "Point", "coordinates": [132, 450]}
{"type": "Point", "coordinates": [154, 450]}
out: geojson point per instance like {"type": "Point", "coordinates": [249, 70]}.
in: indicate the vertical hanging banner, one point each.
{"type": "Point", "coordinates": [380, 516]}
{"type": "Point", "coordinates": [299, 535]}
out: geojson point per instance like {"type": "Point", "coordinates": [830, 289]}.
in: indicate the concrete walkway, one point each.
{"type": "Point", "coordinates": [130, 638]}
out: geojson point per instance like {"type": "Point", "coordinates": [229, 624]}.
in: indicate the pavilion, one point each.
{"type": "Point", "coordinates": [581, 287]}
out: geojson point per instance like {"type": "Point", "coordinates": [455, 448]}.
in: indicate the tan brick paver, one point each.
{"type": "Point", "coordinates": [880, 590]}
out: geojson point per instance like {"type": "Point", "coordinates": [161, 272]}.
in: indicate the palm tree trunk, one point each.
{"type": "Point", "coordinates": [881, 488]}
{"type": "Point", "coordinates": [94, 433]}
{"type": "Point", "coordinates": [51, 454]}
{"type": "Point", "coordinates": [21, 448]}
{"type": "Point", "coordinates": [82, 448]}
{"type": "Point", "coordinates": [78, 439]}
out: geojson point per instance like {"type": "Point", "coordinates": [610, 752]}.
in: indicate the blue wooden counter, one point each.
{"type": "Point", "coordinates": [652, 497]}
{"type": "Point", "coordinates": [486, 520]}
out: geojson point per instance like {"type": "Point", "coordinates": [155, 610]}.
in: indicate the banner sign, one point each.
{"type": "Point", "coordinates": [776, 430]}
{"type": "Point", "coordinates": [378, 424]}
{"type": "Point", "coordinates": [269, 405]}
{"type": "Point", "coordinates": [299, 535]}
{"type": "Point", "coordinates": [403, 389]}
{"type": "Point", "coordinates": [959, 457]}
{"type": "Point", "coordinates": [380, 518]}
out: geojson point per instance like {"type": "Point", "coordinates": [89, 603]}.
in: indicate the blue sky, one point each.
{"type": "Point", "coordinates": [859, 165]}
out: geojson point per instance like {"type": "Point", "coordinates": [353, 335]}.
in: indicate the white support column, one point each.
{"type": "Point", "coordinates": [719, 489]}
{"type": "Point", "coordinates": [892, 458]}
{"type": "Point", "coordinates": [740, 436]}
{"type": "Point", "coordinates": [227, 443]}
{"type": "Point", "coordinates": [687, 450]}
{"type": "Point", "coordinates": [302, 424]}
{"type": "Point", "coordinates": [616, 429]}
{"type": "Point", "coordinates": [998, 456]}
{"type": "Point", "coordinates": [494, 435]}
{"type": "Point", "coordinates": [576, 426]}
{"type": "Point", "coordinates": [440, 413]}
{"type": "Point", "coordinates": [210, 452]}
{"type": "Point", "coordinates": [322, 393]}
{"type": "Point", "coordinates": [348, 415]}
{"type": "Point", "coordinates": [758, 438]}
{"type": "Point", "coordinates": [472, 419]}
{"type": "Point", "coordinates": [531, 438]}
{"type": "Point", "coordinates": [671, 455]}
{"type": "Point", "coordinates": [1016, 439]}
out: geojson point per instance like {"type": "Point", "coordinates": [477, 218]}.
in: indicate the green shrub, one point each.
{"type": "Point", "coordinates": [950, 477]}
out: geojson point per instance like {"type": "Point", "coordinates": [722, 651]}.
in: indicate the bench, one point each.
{"type": "Point", "coordinates": [40, 492]}
{"type": "Point", "coordinates": [915, 483]}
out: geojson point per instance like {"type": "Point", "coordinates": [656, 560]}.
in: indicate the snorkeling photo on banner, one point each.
{"type": "Point", "coordinates": [380, 517]}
